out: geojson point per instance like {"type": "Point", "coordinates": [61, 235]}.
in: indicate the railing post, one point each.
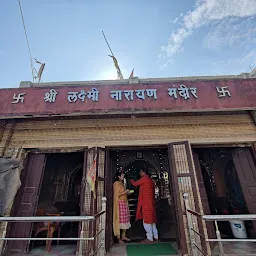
{"type": "Point", "coordinates": [81, 242]}
{"type": "Point", "coordinates": [221, 250]}
{"type": "Point", "coordinates": [190, 226]}
{"type": "Point", "coordinates": [103, 227]}
{"type": "Point", "coordinates": [2, 241]}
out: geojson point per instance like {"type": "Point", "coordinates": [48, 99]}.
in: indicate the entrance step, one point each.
{"type": "Point", "coordinates": [120, 250]}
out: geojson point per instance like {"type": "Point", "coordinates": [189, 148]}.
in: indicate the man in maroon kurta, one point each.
{"type": "Point", "coordinates": [146, 208]}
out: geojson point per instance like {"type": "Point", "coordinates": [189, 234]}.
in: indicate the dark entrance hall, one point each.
{"type": "Point", "coordinates": [156, 162]}
{"type": "Point", "coordinates": [228, 180]}
{"type": "Point", "coordinates": [50, 187]}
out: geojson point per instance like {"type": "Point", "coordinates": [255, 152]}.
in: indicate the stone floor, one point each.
{"type": "Point", "coordinates": [120, 249]}
{"type": "Point", "coordinates": [60, 250]}
{"type": "Point", "coordinates": [230, 249]}
{"type": "Point", "coordinates": [237, 248]}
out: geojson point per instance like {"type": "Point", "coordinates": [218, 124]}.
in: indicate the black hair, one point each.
{"type": "Point", "coordinates": [145, 170]}
{"type": "Point", "coordinates": [118, 174]}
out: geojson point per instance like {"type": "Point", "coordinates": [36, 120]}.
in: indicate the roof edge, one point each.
{"type": "Point", "coordinates": [135, 80]}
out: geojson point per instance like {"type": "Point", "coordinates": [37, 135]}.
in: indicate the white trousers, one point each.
{"type": "Point", "coordinates": [151, 231]}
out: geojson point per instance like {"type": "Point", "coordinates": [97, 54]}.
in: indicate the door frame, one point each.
{"type": "Point", "coordinates": [110, 175]}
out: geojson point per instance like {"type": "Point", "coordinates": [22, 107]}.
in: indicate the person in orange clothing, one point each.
{"type": "Point", "coordinates": [146, 209]}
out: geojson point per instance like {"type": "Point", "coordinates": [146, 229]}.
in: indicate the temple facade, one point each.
{"type": "Point", "coordinates": [194, 135]}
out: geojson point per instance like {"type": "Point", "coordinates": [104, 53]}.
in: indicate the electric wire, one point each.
{"type": "Point", "coordinates": [31, 62]}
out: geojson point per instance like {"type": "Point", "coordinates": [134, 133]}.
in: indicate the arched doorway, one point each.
{"type": "Point", "coordinates": [156, 162]}
{"type": "Point", "coordinates": [132, 171]}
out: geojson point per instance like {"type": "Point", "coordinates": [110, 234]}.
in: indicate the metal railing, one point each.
{"type": "Point", "coordinates": [204, 248]}
{"type": "Point", "coordinates": [99, 250]}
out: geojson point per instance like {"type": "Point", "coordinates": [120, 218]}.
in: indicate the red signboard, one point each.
{"type": "Point", "coordinates": [178, 96]}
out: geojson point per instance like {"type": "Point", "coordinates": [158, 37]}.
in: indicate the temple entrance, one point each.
{"type": "Point", "coordinates": [59, 196]}
{"type": "Point", "coordinates": [50, 187]}
{"type": "Point", "coordinates": [228, 175]}
{"type": "Point", "coordinates": [155, 161]}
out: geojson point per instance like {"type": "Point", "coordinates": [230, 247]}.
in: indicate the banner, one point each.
{"type": "Point", "coordinates": [91, 176]}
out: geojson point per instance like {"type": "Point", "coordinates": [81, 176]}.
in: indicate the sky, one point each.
{"type": "Point", "coordinates": [158, 38]}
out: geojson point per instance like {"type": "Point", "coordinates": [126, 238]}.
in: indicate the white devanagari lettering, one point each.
{"type": "Point", "coordinates": [183, 92]}
{"type": "Point", "coordinates": [82, 95]}
{"type": "Point", "coordinates": [72, 96]}
{"type": "Point", "coordinates": [50, 96]}
{"type": "Point", "coordinates": [193, 92]}
{"type": "Point", "coordinates": [140, 94]}
{"type": "Point", "coordinates": [152, 93]}
{"type": "Point", "coordinates": [173, 92]}
{"type": "Point", "coordinates": [117, 95]}
{"type": "Point", "coordinates": [93, 94]}
{"type": "Point", "coordinates": [129, 94]}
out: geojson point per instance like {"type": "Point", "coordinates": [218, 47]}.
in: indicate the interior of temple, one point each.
{"type": "Point", "coordinates": [156, 162]}
{"type": "Point", "coordinates": [222, 185]}
{"type": "Point", "coordinates": [59, 196]}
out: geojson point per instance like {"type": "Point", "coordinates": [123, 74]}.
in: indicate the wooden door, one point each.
{"type": "Point", "coordinates": [183, 179]}
{"type": "Point", "coordinates": [91, 203]}
{"type": "Point", "coordinates": [246, 170]}
{"type": "Point", "coordinates": [100, 191]}
{"type": "Point", "coordinates": [82, 193]}
{"type": "Point", "coordinates": [27, 199]}
{"type": "Point", "coordinates": [203, 196]}
{"type": "Point", "coordinates": [109, 194]}
{"type": "Point", "coordinates": [86, 206]}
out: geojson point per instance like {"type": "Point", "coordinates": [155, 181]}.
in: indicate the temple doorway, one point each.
{"type": "Point", "coordinates": [155, 161]}
{"type": "Point", "coordinates": [59, 196]}
{"type": "Point", "coordinates": [51, 186]}
{"type": "Point", "coordinates": [227, 177]}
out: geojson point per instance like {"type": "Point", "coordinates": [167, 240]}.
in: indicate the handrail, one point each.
{"type": "Point", "coordinates": [101, 232]}
{"type": "Point", "coordinates": [47, 218]}
{"type": "Point", "coordinates": [231, 240]}
{"type": "Point", "coordinates": [229, 217]}
{"type": "Point", "coordinates": [47, 238]}
{"type": "Point", "coordinates": [192, 231]}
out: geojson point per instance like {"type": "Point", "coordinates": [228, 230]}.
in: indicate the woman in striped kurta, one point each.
{"type": "Point", "coordinates": [121, 214]}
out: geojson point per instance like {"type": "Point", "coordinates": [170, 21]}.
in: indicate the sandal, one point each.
{"type": "Point", "coordinates": [126, 239]}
